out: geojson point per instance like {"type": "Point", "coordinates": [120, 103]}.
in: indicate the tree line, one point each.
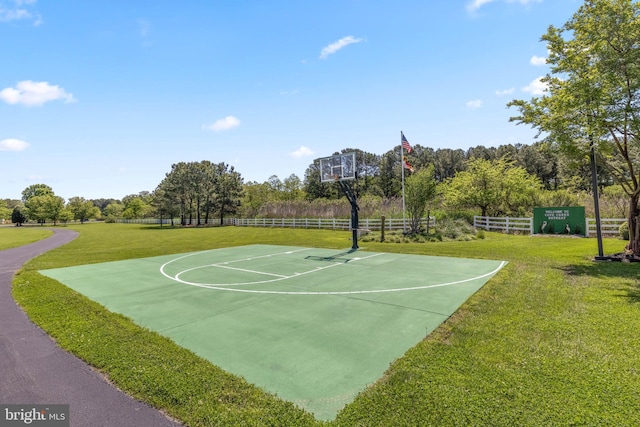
{"type": "Point", "coordinates": [196, 192]}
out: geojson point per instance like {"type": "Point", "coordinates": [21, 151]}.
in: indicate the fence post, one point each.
{"type": "Point", "coordinates": [587, 230]}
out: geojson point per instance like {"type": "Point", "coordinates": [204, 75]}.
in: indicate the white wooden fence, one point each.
{"type": "Point", "coordinates": [328, 223]}
{"type": "Point", "coordinates": [608, 226]}
{"type": "Point", "coordinates": [321, 223]}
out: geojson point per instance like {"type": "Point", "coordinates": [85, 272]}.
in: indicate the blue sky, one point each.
{"type": "Point", "coordinates": [99, 98]}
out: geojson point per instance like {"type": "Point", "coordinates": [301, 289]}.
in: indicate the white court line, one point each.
{"type": "Point", "coordinates": [229, 287]}
{"type": "Point", "coordinates": [231, 268]}
{"type": "Point", "coordinates": [257, 282]}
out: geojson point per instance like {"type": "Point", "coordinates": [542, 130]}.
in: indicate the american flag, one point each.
{"type": "Point", "coordinates": [405, 143]}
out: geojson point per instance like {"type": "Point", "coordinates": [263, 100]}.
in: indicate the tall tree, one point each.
{"type": "Point", "coordinates": [448, 162]}
{"type": "Point", "coordinates": [389, 179]}
{"type": "Point", "coordinates": [420, 189]}
{"type": "Point", "coordinates": [592, 100]}
{"type": "Point", "coordinates": [228, 192]}
{"type": "Point", "coordinates": [36, 190]}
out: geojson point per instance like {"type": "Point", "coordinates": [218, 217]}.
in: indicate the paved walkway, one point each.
{"type": "Point", "coordinates": [34, 370]}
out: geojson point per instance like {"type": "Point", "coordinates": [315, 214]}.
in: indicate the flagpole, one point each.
{"type": "Point", "coordinates": [404, 221]}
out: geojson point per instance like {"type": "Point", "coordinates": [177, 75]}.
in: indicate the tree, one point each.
{"type": "Point", "coordinates": [495, 187]}
{"type": "Point", "coordinates": [44, 207]}
{"type": "Point", "coordinates": [18, 217]}
{"type": "Point", "coordinates": [5, 212]}
{"type": "Point", "coordinates": [447, 162]}
{"type": "Point", "coordinates": [389, 179]}
{"type": "Point", "coordinates": [228, 192]}
{"type": "Point", "coordinates": [164, 204]}
{"type": "Point", "coordinates": [36, 190]}
{"type": "Point", "coordinates": [420, 189]}
{"type": "Point", "coordinates": [292, 188]}
{"type": "Point", "coordinates": [314, 189]}
{"type": "Point", "coordinates": [592, 101]}
{"type": "Point", "coordinates": [113, 210]}
{"type": "Point", "coordinates": [133, 208]}
{"type": "Point", "coordinates": [82, 209]}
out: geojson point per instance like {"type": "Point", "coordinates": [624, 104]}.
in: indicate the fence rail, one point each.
{"type": "Point", "coordinates": [505, 224]}
{"type": "Point", "coordinates": [321, 223]}
{"type": "Point", "coordinates": [328, 223]}
{"type": "Point", "coordinates": [608, 226]}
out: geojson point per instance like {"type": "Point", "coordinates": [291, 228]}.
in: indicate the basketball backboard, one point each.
{"type": "Point", "coordinates": [341, 167]}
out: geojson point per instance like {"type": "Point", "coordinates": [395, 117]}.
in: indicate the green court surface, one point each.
{"type": "Point", "coordinates": [314, 326]}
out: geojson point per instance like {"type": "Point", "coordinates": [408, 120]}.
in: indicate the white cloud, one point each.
{"type": "Point", "coordinates": [32, 93]}
{"type": "Point", "coordinates": [12, 144]}
{"type": "Point", "coordinates": [536, 87]}
{"type": "Point", "coordinates": [474, 5]}
{"type": "Point", "coordinates": [19, 10]}
{"type": "Point", "coordinates": [505, 91]}
{"type": "Point", "coordinates": [226, 123]}
{"type": "Point", "coordinates": [302, 152]}
{"type": "Point", "coordinates": [538, 60]}
{"type": "Point", "coordinates": [476, 103]}
{"type": "Point", "coordinates": [336, 46]}
{"type": "Point", "coordinates": [477, 4]}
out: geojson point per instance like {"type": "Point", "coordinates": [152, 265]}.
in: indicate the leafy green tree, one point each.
{"type": "Point", "coordinates": [36, 190]}
{"type": "Point", "coordinates": [103, 203]}
{"type": "Point", "coordinates": [5, 212]}
{"type": "Point", "coordinates": [66, 215]}
{"type": "Point", "coordinates": [292, 188]}
{"type": "Point", "coordinates": [113, 210]}
{"type": "Point", "coordinates": [255, 195]}
{"type": "Point", "coordinates": [164, 204]}
{"type": "Point", "coordinates": [134, 208]}
{"type": "Point", "coordinates": [45, 207]}
{"type": "Point", "coordinates": [494, 187]}
{"type": "Point", "coordinates": [82, 209]}
{"type": "Point", "coordinates": [137, 205]}
{"type": "Point", "coordinates": [592, 102]}
{"type": "Point", "coordinates": [228, 192]}
{"type": "Point", "coordinates": [420, 188]}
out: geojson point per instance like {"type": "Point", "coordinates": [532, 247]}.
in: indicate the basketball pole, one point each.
{"type": "Point", "coordinates": [346, 189]}
{"type": "Point", "coordinates": [404, 221]}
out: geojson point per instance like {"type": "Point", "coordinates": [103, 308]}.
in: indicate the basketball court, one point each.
{"type": "Point", "coordinates": [313, 326]}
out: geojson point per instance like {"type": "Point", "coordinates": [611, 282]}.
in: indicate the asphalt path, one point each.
{"type": "Point", "coordinates": [34, 370]}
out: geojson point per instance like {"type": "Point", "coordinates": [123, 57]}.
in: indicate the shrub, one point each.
{"type": "Point", "coordinates": [624, 231]}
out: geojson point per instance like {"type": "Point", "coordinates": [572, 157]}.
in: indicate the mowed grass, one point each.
{"type": "Point", "coordinates": [550, 340]}
{"type": "Point", "coordinates": [11, 236]}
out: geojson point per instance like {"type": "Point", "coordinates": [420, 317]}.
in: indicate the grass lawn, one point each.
{"type": "Point", "coordinates": [12, 236]}
{"type": "Point", "coordinates": [550, 340]}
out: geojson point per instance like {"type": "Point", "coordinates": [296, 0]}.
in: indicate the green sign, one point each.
{"type": "Point", "coordinates": [559, 220]}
